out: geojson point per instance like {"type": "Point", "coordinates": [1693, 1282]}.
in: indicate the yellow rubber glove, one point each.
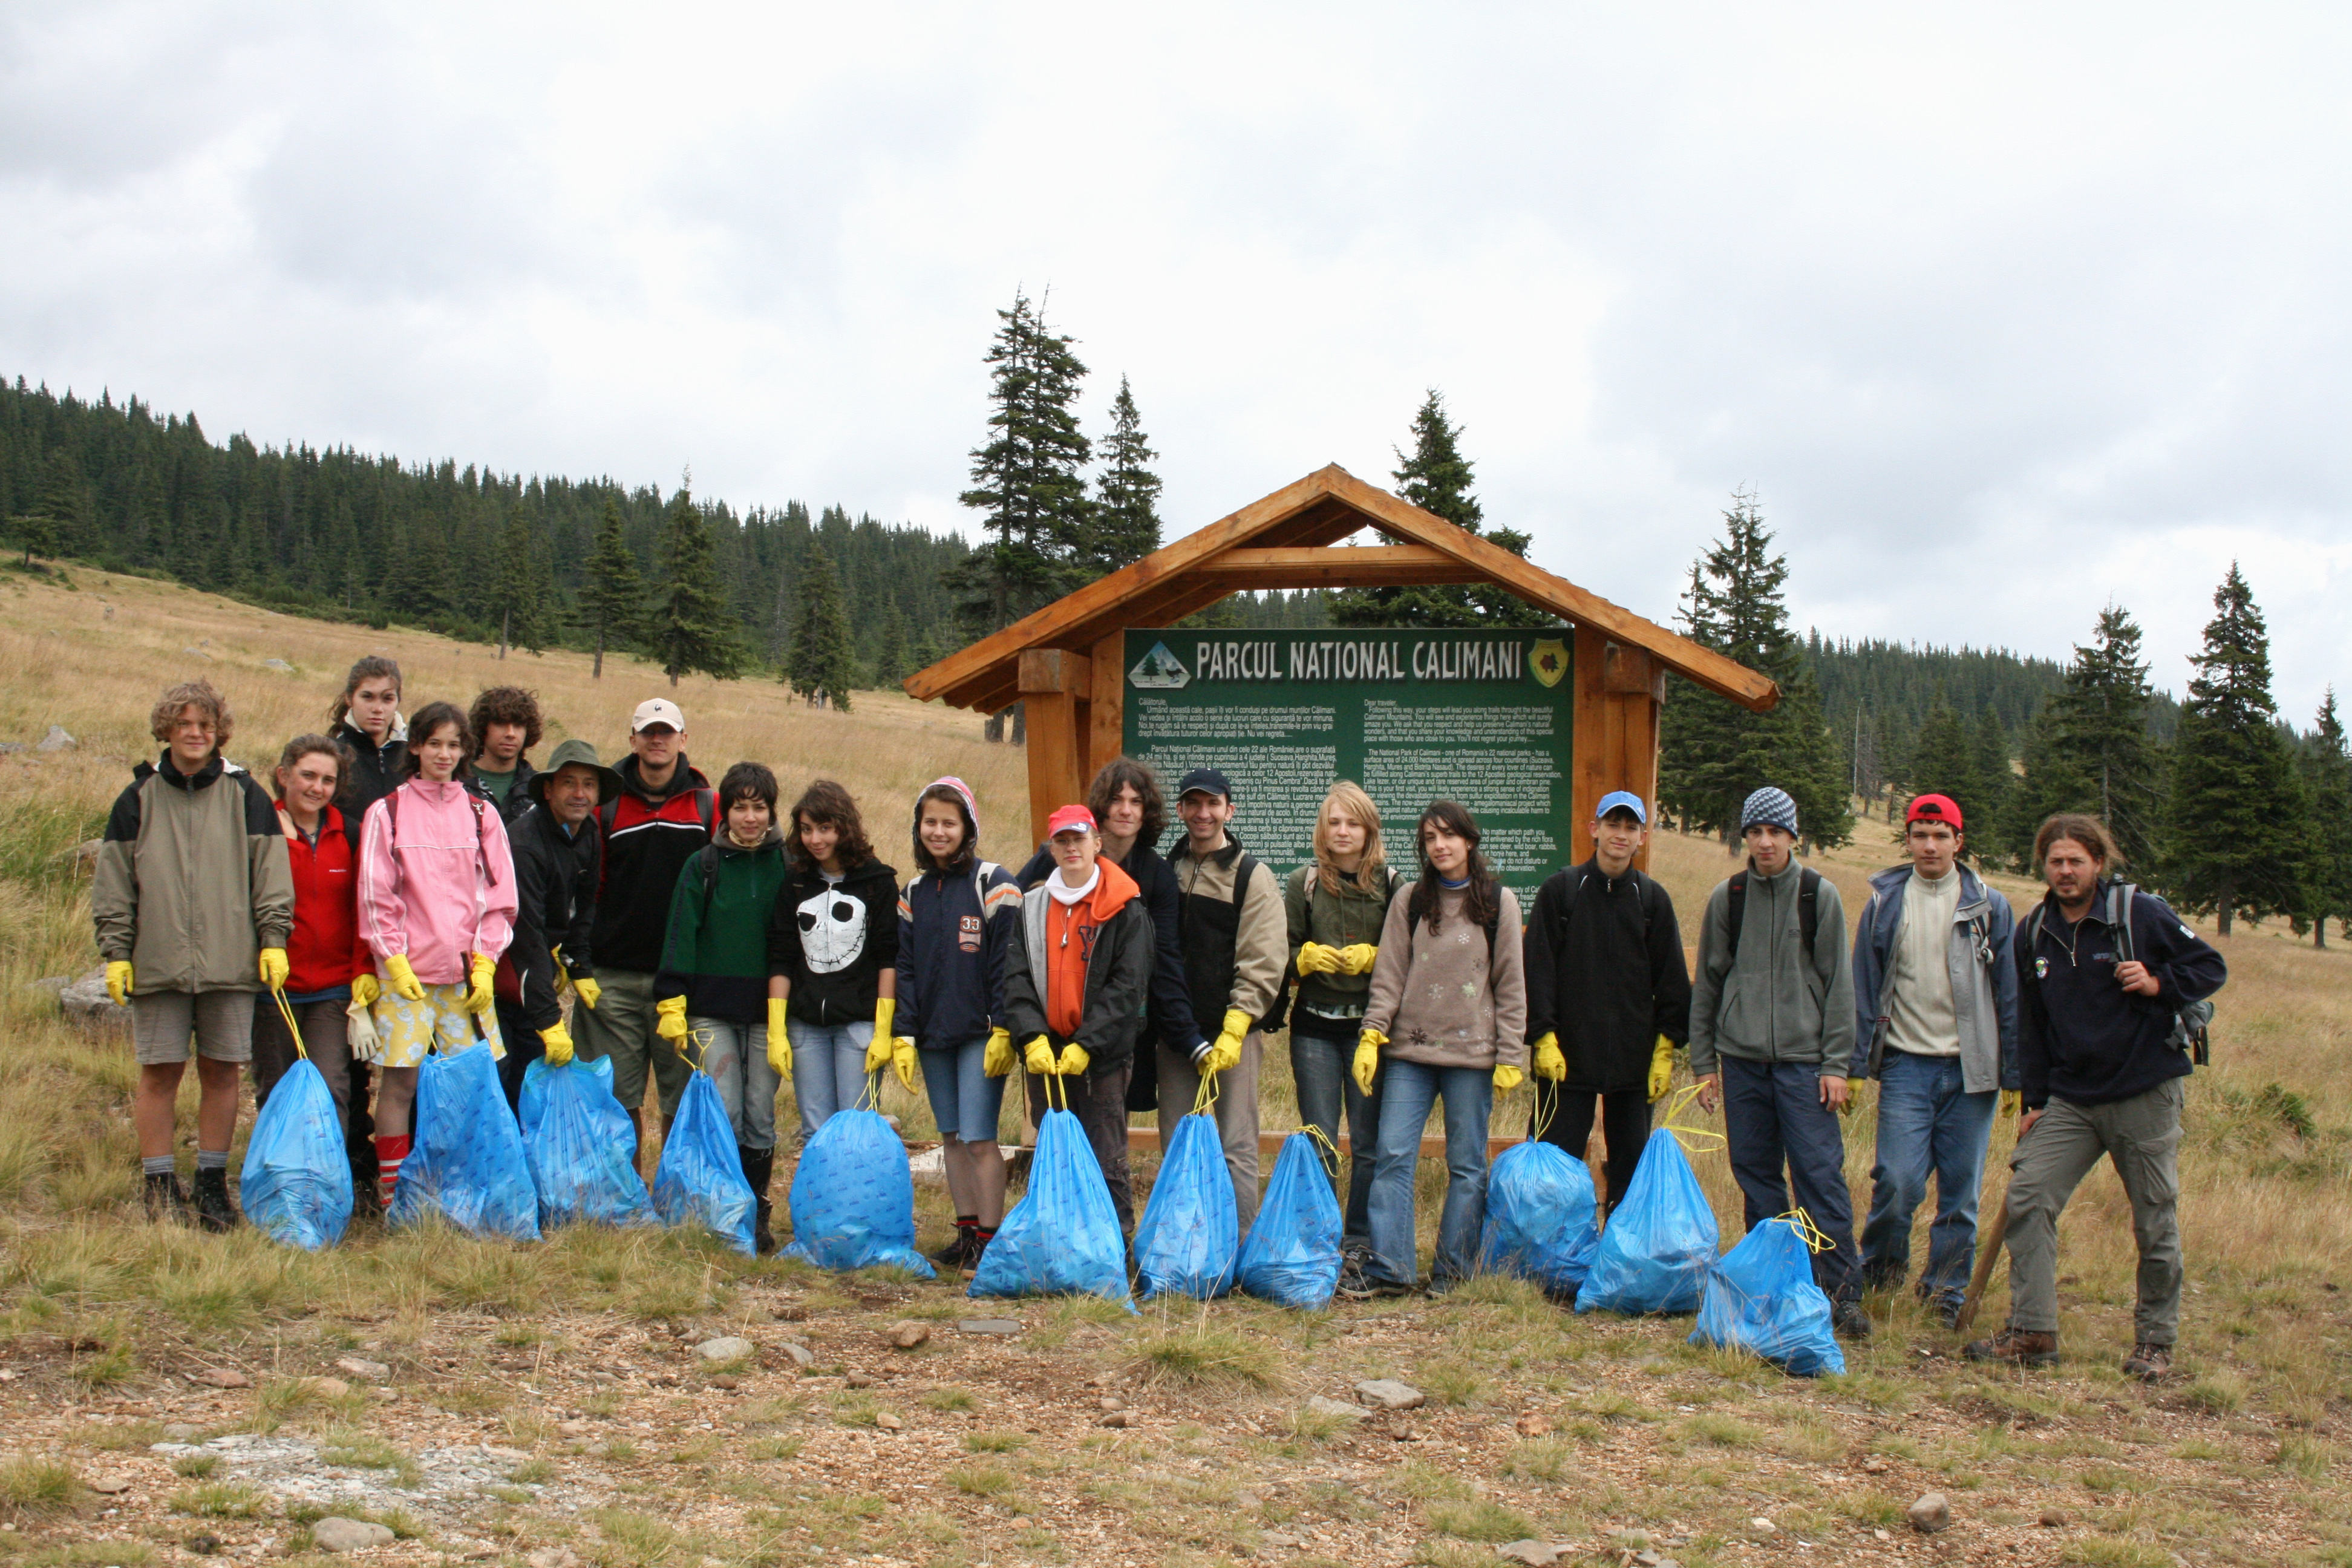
{"type": "Point", "coordinates": [997, 1060]}
{"type": "Point", "coordinates": [274, 968]}
{"type": "Point", "coordinates": [590, 992]}
{"type": "Point", "coordinates": [1662, 1069]}
{"type": "Point", "coordinates": [1508, 1078]}
{"type": "Point", "coordinates": [780, 1045]}
{"type": "Point", "coordinates": [1227, 1050]}
{"type": "Point", "coordinates": [1549, 1063]}
{"type": "Point", "coordinates": [1368, 1058]}
{"type": "Point", "coordinates": [878, 1052]}
{"type": "Point", "coordinates": [2012, 1101]}
{"type": "Point", "coordinates": [404, 983]}
{"type": "Point", "coordinates": [886, 1010]}
{"type": "Point", "coordinates": [559, 1044]}
{"type": "Point", "coordinates": [1314, 958]}
{"type": "Point", "coordinates": [1358, 957]}
{"type": "Point", "coordinates": [1039, 1057]}
{"type": "Point", "coordinates": [480, 971]}
{"type": "Point", "coordinates": [670, 1022]}
{"type": "Point", "coordinates": [902, 1061]}
{"type": "Point", "coordinates": [117, 982]}
{"type": "Point", "coordinates": [1073, 1059]}
{"type": "Point", "coordinates": [365, 989]}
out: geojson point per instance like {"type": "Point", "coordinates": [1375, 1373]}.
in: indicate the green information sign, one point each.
{"type": "Point", "coordinates": [1483, 717]}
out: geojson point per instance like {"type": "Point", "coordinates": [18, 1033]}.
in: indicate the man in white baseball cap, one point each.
{"type": "Point", "coordinates": [663, 814]}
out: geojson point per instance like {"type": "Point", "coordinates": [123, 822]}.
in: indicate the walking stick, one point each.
{"type": "Point", "coordinates": [1986, 1259]}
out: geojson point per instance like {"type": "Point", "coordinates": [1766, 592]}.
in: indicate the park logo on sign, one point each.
{"type": "Point", "coordinates": [1549, 660]}
{"type": "Point", "coordinates": [1159, 670]}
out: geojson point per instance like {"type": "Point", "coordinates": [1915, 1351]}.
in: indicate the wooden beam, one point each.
{"type": "Point", "coordinates": [1053, 669]}
{"type": "Point", "coordinates": [1054, 757]}
{"type": "Point", "coordinates": [1107, 714]}
{"type": "Point", "coordinates": [1363, 566]}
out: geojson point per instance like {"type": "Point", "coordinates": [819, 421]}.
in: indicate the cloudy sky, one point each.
{"type": "Point", "coordinates": [2004, 311]}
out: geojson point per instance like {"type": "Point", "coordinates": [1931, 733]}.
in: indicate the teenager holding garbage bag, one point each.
{"type": "Point", "coordinates": [325, 955]}
{"type": "Point", "coordinates": [833, 959]}
{"type": "Point", "coordinates": [711, 990]}
{"type": "Point", "coordinates": [1075, 979]}
{"type": "Point", "coordinates": [1447, 1020]}
{"type": "Point", "coordinates": [437, 903]}
{"type": "Point", "coordinates": [956, 925]}
{"type": "Point", "coordinates": [1335, 905]}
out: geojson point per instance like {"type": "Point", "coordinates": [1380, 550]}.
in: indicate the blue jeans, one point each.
{"type": "Point", "coordinates": [964, 1099]}
{"type": "Point", "coordinates": [1925, 1122]}
{"type": "Point", "coordinates": [828, 1068]}
{"type": "Point", "coordinates": [1776, 1122]}
{"type": "Point", "coordinates": [1407, 1092]}
{"type": "Point", "coordinates": [1318, 1068]}
{"type": "Point", "coordinates": [735, 1056]}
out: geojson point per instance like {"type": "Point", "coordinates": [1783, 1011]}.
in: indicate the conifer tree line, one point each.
{"type": "Point", "coordinates": [496, 557]}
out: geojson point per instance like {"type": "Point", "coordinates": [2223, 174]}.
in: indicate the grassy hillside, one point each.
{"type": "Point", "coordinates": [614, 1445]}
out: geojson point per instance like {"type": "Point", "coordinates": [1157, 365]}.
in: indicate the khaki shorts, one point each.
{"type": "Point", "coordinates": [164, 1024]}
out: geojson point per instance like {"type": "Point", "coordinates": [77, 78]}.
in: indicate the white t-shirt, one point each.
{"type": "Point", "coordinates": [1920, 1015]}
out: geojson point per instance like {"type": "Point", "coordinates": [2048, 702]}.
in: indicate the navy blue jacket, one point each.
{"type": "Point", "coordinates": [2085, 1039]}
{"type": "Point", "coordinates": [952, 940]}
{"type": "Point", "coordinates": [1167, 1016]}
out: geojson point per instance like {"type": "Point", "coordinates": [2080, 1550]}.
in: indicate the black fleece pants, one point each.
{"type": "Point", "coordinates": [1563, 1117]}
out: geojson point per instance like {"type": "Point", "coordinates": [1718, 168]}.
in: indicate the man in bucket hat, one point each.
{"type": "Point", "coordinates": [1772, 1036]}
{"type": "Point", "coordinates": [556, 855]}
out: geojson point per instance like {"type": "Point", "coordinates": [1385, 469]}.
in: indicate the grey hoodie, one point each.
{"type": "Point", "coordinates": [1772, 1001]}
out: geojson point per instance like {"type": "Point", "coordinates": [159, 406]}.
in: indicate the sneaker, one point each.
{"type": "Point", "coordinates": [214, 1212]}
{"type": "Point", "coordinates": [1850, 1322]}
{"type": "Point", "coordinates": [2149, 1363]}
{"type": "Point", "coordinates": [164, 1198]}
{"type": "Point", "coordinates": [976, 1248]}
{"type": "Point", "coordinates": [2018, 1347]}
{"type": "Point", "coordinates": [1352, 1286]}
{"type": "Point", "coordinates": [959, 1252]}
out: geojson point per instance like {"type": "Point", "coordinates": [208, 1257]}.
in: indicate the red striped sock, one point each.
{"type": "Point", "coordinates": [389, 1152]}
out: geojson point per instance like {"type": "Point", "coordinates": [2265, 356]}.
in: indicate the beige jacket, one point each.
{"type": "Point", "coordinates": [1441, 997]}
{"type": "Point", "coordinates": [193, 879]}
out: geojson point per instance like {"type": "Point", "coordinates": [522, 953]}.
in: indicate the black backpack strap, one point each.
{"type": "Point", "coordinates": [708, 858]}
{"type": "Point", "coordinates": [481, 842]}
{"type": "Point", "coordinates": [705, 811]}
{"type": "Point", "coordinates": [1736, 916]}
{"type": "Point", "coordinates": [1809, 907]}
{"type": "Point", "coordinates": [2119, 903]}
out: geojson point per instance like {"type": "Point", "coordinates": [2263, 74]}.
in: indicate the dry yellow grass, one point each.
{"type": "Point", "coordinates": [564, 1351]}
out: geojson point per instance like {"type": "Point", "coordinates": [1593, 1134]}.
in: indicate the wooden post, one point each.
{"type": "Point", "coordinates": [1619, 690]}
{"type": "Point", "coordinates": [1107, 714]}
{"type": "Point", "coordinates": [1054, 686]}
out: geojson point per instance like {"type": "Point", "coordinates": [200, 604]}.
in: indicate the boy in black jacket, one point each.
{"type": "Point", "coordinates": [555, 840]}
{"type": "Point", "coordinates": [2100, 987]}
{"type": "Point", "coordinates": [1608, 994]}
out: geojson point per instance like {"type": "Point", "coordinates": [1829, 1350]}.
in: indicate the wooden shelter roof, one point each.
{"type": "Point", "coordinates": [1283, 542]}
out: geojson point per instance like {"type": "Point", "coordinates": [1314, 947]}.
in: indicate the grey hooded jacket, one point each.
{"type": "Point", "coordinates": [1773, 1001]}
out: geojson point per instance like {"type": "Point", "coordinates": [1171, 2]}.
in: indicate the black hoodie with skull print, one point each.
{"type": "Point", "coordinates": [833, 939]}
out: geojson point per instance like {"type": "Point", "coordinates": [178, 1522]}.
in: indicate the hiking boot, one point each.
{"type": "Point", "coordinates": [975, 1248]}
{"type": "Point", "coordinates": [164, 1198]}
{"type": "Point", "coordinates": [1352, 1286]}
{"type": "Point", "coordinates": [214, 1212]}
{"type": "Point", "coordinates": [759, 1170]}
{"type": "Point", "coordinates": [2149, 1363]}
{"type": "Point", "coordinates": [1848, 1320]}
{"type": "Point", "coordinates": [959, 1252]}
{"type": "Point", "coordinates": [1949, 1308]}
{"type": "Point", "coordinates": [2018, 1347]}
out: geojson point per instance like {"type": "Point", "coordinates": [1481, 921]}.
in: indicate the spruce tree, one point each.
{"type": "Point", "coordinates": [891, 665]}
{"type": "Point", "coordinates": [612, 592]}
{"type": "Point", "coordinates": [692, 628]}
{"type": "Point", "coordinates": [1436, 478]}
{"type": "Point", "coordinates": [2327, 797]}
{"type": "Point", "coordinates": [518, 595]}
{"type": "Point", "coordinates": [1713, 752]}
{"type": "Point", "coordinates": [1943, 762]}
{"type": "Point", "coordinates": [821, 665]}
{"type": "Point", "coordinates": [1992, 777]}
{"type": "Point", "coordinates": [1126, 525]}
{"type": "Point", "coordinates": [2102, 731]}
{"type": "Point", "coordinates": [2234, 834]}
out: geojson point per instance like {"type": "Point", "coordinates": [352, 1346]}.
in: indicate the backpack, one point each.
{"type": "Point", "coordinates": [1809, 910]}
{"type": "Point", "coordinates": [2193, 1022]}
{"type": "Point", "coordinates": [1641, 886]}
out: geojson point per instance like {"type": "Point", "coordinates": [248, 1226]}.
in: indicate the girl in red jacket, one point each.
{"type": "Point", "coordinates": [436, 906]}
{"type": "Point", "coordinates": [325, 955]}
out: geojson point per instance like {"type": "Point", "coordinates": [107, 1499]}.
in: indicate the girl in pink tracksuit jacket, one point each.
{"type": "Point", "coordinates": [436, 906]}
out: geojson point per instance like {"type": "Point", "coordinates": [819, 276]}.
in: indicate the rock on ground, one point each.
{"type": "Point", "coordinates": [907, 1334]}
{"type": "Point", "coordinates": [57, 740]}
{"type": "Point", "coordinates": [728, 1347]}
{"type": "Point", "coordinates": [1320, 1406]}
{"type": "Point", "coordinates": [1930, 1513]}
{"type": "Point", "coordinates": [337, 1534]}
{"type": "Point", "coordinates": [86, 1003]}
{"type": "Point", "coordinates": [1389, 1394]}
{"type": "Point", "coordinates": [364, 1370]}
{"type": "Point", "coordinates": [1534, 1554]}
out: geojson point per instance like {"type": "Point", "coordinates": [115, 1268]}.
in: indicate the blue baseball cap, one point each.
{"type": "Point", "coordinates": [1621, 798]}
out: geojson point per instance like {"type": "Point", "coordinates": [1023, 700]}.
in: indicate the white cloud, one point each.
{"type": "Point", "coordinates": [2003, 311]}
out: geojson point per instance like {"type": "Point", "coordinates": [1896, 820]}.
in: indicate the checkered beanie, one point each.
{"type": "Point", "coordinates": [1770, 806]}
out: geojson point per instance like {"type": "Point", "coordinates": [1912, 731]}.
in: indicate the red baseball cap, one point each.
{"type": "Point", "coordinates": [1934, 808]}
{"type": "Point", "coordinates": [1069, 819]}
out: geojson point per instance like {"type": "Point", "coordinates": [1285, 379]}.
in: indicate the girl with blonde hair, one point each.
{"type": "Point", "coordinates": [1336, 906]}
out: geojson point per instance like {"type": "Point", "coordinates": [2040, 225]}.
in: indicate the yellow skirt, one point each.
{"type": "Point", "coordinates": [408, 1029]}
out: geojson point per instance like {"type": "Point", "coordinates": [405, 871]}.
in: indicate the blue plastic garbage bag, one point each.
{"type": "Point", "coordinates": [1541, 1218]}
{"type": "Point", "coordinates": [1760, 1298]}
{"type": "Point", "coordinates": [581, 1150]}
{"type": "Point", "coordinates": [1063, 1237]}
{"type": "Point", "coordinates": [1190, 1235]}
{"type": "Point", "coordinates": [700, 1178]}
{"type": "Point", "coordinates": [854, 1197]}
{"type": "Point", "coordinates": [466, 1162]}
{"type": "Point", "coordinates": [1660, 1241]}
{"type": "Point", "coordinates": [297, 1184]}
{"type": "Point", "coordinates": [1292, 1255]}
